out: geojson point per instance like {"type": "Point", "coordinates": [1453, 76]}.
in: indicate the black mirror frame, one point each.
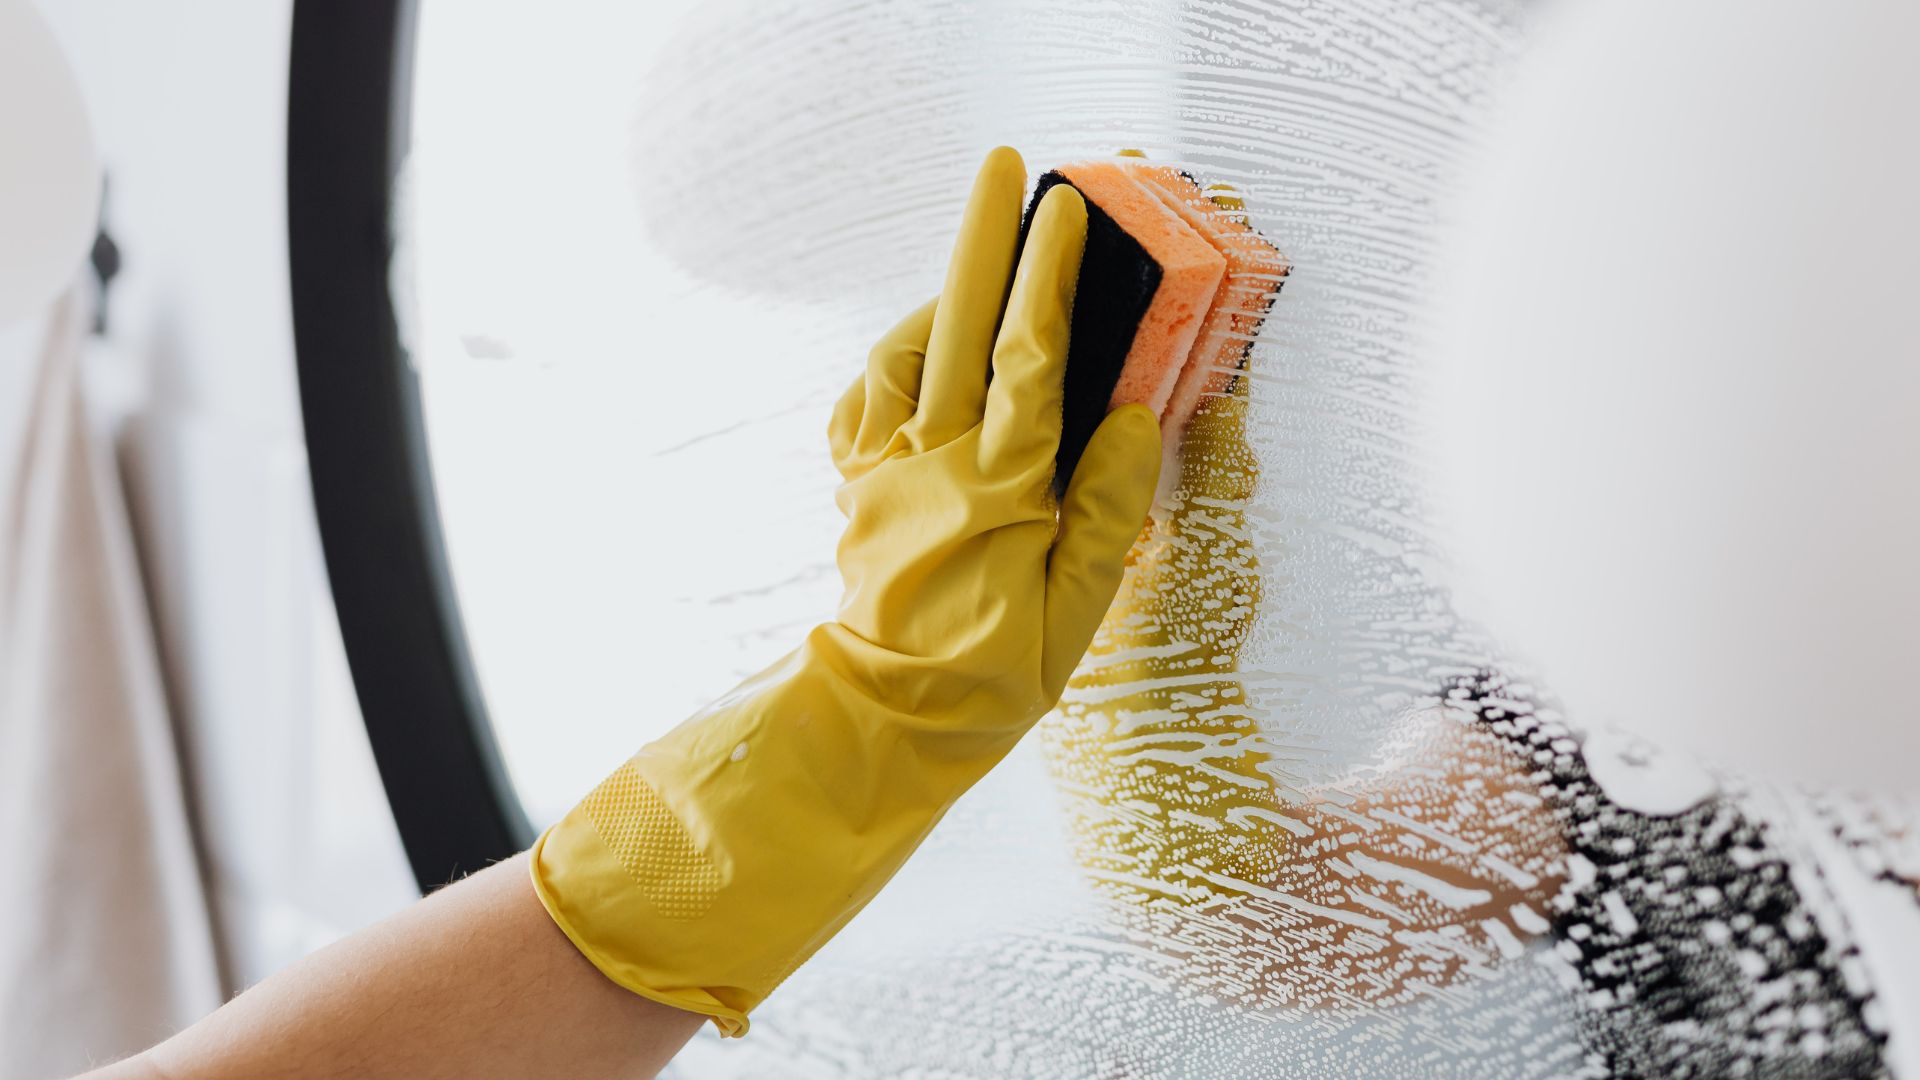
{"type": "Point", "coordinates": [348, 99]}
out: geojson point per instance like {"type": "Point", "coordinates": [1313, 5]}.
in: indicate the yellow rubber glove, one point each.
{"type": "Point", "coordinates": [705, 869]}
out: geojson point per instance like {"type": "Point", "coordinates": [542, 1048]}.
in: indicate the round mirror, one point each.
{"type": "Point", "coordinates": [617, 263]}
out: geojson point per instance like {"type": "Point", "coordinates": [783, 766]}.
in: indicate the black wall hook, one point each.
{"type": "Point", "coordinates": [105, 259]}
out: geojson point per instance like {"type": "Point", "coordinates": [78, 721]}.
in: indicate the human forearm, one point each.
{"type": "Point", "coordinates": [473, 982]}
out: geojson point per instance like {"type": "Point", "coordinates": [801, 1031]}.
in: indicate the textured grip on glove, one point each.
{"type": "Point", "coordinates": [660, 858]}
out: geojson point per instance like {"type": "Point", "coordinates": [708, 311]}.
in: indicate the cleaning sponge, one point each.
{"type": "Point", "coordinates": [1172, 288]}
{"type": "Point", "coordinates": [1146, 280]}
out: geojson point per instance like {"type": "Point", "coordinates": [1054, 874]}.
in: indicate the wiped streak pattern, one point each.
{"type": "Point", "coordinates": [1320, 836]}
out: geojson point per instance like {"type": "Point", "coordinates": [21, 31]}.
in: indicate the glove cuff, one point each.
{"type": "Point", "coordinates": [705, 869]}
{"type": "Point", "coordinates": [584, 885]}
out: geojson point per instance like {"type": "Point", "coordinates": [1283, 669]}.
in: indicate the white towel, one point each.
{"type": "Point", "coordinates": [105, 941]}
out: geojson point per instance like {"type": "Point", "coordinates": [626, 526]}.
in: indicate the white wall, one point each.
{"type": "Point", "coordinates": [189, 107]}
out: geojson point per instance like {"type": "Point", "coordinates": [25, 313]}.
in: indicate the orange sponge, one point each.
{"type": "Point", "coordinates": [1172, 288]}
{"type": "Point", "coordinates": [1190, 273]}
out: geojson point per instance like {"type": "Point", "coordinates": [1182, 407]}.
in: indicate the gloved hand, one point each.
{"type": "Point", "coordinates": [706, 868]}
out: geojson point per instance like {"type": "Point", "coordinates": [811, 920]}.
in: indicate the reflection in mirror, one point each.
{"type": "Point", "coordinates": [1295, 816]}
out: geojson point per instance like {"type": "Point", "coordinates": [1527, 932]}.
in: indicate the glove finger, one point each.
{"type": "Point", "coordinates": [1105, 507]}
{"type": "Point", "coordinates": [1022, 425]}
{"type": "Point", "coordinates": [891, 387]}
{"type": "Point", "coordinates": [953, 393]}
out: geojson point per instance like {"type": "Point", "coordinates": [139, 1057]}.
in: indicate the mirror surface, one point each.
{"type": "Point", "coordinates": [1324, 830]}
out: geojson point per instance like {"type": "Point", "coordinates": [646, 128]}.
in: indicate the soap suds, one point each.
{"type": "Point", "coordinates": [1319, 837]}
{"type": "Point", "coordinates": [1291, 819]}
